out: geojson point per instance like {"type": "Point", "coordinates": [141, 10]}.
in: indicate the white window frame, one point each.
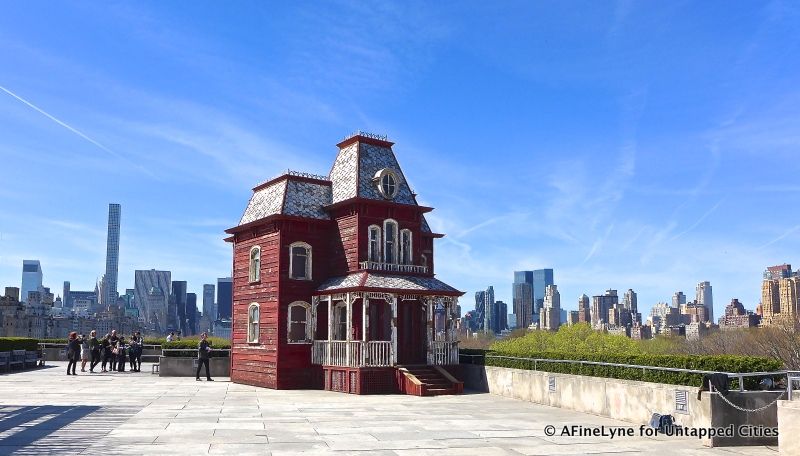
{"type": "Point", "coordinates": [378, 179]}
{"type": "Point", "coordinates": [394, 248]}
{"type": "Point", "coordinates": [410, 259]}
{"type": "Point", "coordinates": [254, 274]}
{"type": "Point", "coordinates": [307, 307]}
{"type": "Point", "coordinates": [308, 260]}
{"type": "Point", "coordinates": [424, 260]}
{"type": "Point", "coordinates": [253, 325]}
{"type": "Point", "coordinates": [371, 255]}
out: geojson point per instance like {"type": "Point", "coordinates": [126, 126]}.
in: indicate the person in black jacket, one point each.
{"type": "Point", "coordinates": [105, 346]}
{"type": "Point", "coordinates": [73, 352]}
{"type": "Point", "coordinates": [94, 348]}
{"type": "Point", "coordinates": [203, 353]}
{"type": "Point", "coordinates": [121, 352]}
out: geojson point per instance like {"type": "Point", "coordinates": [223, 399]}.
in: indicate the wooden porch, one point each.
{"type": "Point", "coordinates": [370, 329]}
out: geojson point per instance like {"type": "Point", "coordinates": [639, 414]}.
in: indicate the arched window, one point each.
{"type": "Point", "coordinates": [299, 322]}
{"type": "Point", "coordinates": [252, 323]}
{"type": "Point", "coordinates": [255, 264]}
{"type": "Point", "coordinates": [374, 247]}
{"type": "Point", "coordinates": [390, 241]}
{"type": "Point", "coordinates": [423, 259]}
{"type": "Point", "coordinates": [405, 247]}
{"type": "Point", "coordinates": [300, 261]}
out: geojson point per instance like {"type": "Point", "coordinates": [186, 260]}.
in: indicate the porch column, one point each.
{"type": "Point", "coordinates": [349, 336]}
{"type": "Point", "coordinates": [392, 299]}
{"type": "Point", "coordinates": [314, 304]}
{"type": "Point", "coordinates": [330, 330]}
{"type": "Point", "coordinates": [365, 319]}
{"type": "Point", "coordinates": [429, 324]}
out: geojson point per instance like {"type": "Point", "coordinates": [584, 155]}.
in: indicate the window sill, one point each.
{"type": "Point", "coordinates": [253, 343]}
{"type": "Point", "coordinates": [303, 279]}
{"type": "Point", "coordinates": [255, 282]}
{"type": "Point", "coordinates": [301, 342]}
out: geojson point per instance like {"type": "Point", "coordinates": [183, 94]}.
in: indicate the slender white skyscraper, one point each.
{"type": "Point", "coordinates": [705, 298]}
{"type": "Point", "coordinates": [112, 256]}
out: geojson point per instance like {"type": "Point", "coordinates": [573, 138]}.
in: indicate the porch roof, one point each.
{"type": "Point", "coordinates": [369, 281]}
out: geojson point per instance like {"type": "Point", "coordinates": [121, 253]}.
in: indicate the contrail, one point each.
{"type": "Point", "coordinates": [60, 122]}
{"type": "Point", "coordinates": [77, 132]}
{"type": "Point", "coordinates": [782, 236]}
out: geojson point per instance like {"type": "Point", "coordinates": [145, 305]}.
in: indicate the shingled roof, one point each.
{"type": "Point", "coordinates": [368, 280]}
{"type": "Point", "coordinates": [360, 157]}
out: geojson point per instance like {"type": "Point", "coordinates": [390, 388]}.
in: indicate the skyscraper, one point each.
{"type": "Point", "coordinates": [601, 305]}
{"type": "Point", "coordinates": [31, 278]}
{"type": "Point", "coordinates": [541, 279]}
{"type": "Point", "coordinates": [65, 297]}
{"type": "Point", "coordinates": [112, 256]}
{"type": "Point", "coordinates": [551, 310]}
{"type": "Point", "coordinates": [208, 301]}
{"type": "Point", "coordinates": [500, 313]}
{"type": "Point", "coordinates": [177, 304]}
{"type": "Point", "coordinates": [480, 311]}
{"type": "Point", "coordinates": [584, 312]}
{"type": "Point", "coordinates": [191, 313]}
{"type": "Point", "coordinates": [522, 298]}
{"type": "Point", "coordinates": [224, 298]}
{"type": "Point", "coordinates": [705, 297]}
{"type": "Point", "coordinates": [152, 291]}
{"type": "Point", "coordinates": [678, 299]}
{"type": "Point", "coordinates": [489, 316]}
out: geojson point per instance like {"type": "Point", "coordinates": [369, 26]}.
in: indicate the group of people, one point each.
{"type": "Point", "coordinates": [112, 352]}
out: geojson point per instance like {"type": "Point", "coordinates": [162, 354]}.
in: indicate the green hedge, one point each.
{"type": "Point", "coordinates": [713, 363]}
{"type": "Point", "coordinates": [18, 343]}
{"type": "Point", "coordinates": [190, 347]}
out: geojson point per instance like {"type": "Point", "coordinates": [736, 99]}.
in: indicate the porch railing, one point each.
{"type": "Point", "coordinates": [377, 353]}
{"type": "Point", "coordinates": [391, 267]}
{"type": "Point", "coordinates": [443, 353]}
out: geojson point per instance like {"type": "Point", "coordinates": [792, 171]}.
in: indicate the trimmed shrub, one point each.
{"type": "Point", "coordinates": [189, 347]}
{"type": "Point", "coordinates": [18, 343]}
{"type": "Point", "coordinates": [713, 363]}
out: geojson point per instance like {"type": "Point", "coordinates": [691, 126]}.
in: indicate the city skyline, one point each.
{"type": "Point", "coordinates": [638, 172]}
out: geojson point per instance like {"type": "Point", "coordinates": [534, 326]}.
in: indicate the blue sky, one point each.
{"type": "Point", "coordinates": [644, 145]}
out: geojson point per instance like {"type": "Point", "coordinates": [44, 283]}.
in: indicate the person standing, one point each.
{"type": "Point", "coordinates": [121, 352]}
{"type": "Point", "coordinates": [84, 351]}
{"type": "Point", "coordinates": [170, 337]}
{"type": "Point", "coordinates": [105, 346]}
{"type": "Point", "coordinates": [136, 356]}
{"type": "Point", "coordinates": [203, 354]}
{"type": "Point", "coordinates": [94, 350]}
{"type": "Point", "coordinates": [73, 352]}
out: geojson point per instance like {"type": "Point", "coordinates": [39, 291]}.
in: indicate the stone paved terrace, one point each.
{"type": "Point", "coordinates": [44, 411]}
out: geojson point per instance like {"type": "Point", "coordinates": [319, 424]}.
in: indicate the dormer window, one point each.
{"type": "Point", "coordinates": [387, 183]}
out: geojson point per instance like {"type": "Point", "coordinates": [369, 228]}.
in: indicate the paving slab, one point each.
{"type": "Point", "coordinates": [43, 411]}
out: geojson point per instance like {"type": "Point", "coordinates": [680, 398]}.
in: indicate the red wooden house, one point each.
{"type": "Point", "coordinates": [333, 282]}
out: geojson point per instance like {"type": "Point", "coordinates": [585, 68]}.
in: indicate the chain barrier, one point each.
{"type": "Point", "coordinates": [742, 409]}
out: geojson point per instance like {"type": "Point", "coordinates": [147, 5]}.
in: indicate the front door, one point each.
{"type": "Point", "coordinates": [411, 336]}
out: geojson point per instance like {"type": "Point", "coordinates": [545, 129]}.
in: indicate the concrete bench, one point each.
{"type": "Point", "coordinates": [17, 359]}
{"type": "Point", "coordinates": [5, 359]}
{"type": "Point", "coordinates": [31, 358]}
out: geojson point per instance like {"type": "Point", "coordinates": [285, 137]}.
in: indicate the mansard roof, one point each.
{"type": "Point", "coordinates": [368, 281]}
{"type": "Point", "coordinates": [290, 194]}
{"type": "Point", "coordinates": [361, 157]}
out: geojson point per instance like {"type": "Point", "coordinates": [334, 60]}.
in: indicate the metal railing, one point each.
{"type": "Point", "coordinates": [376, 353]}
{"type": "Point", "coordinates": [392, 267]}
{"type": "Point", "coordinates": [193, 351]}
{"type": "Point", "coordinates": [443, 353]}
{"type": "Point", "coordinates": [739, 376]}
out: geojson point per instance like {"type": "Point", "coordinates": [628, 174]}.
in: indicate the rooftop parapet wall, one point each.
{"type": "Point", "coordinates": [626, 400]}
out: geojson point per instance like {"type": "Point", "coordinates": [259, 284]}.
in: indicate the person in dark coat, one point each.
{"type": "Point", "coordinates": [94, 349]}
{"type": "Point", "coordinates": [73, 352]}
{"type": "Point", "coordinates": [121, 354]}
{"type": "Point", "coordinates": [105, 346]}
{"type": "Point", "coordinates": [203, 354]}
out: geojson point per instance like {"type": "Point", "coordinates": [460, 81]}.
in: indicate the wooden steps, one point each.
{"type": "Point", "coordinates": [429, 381]}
